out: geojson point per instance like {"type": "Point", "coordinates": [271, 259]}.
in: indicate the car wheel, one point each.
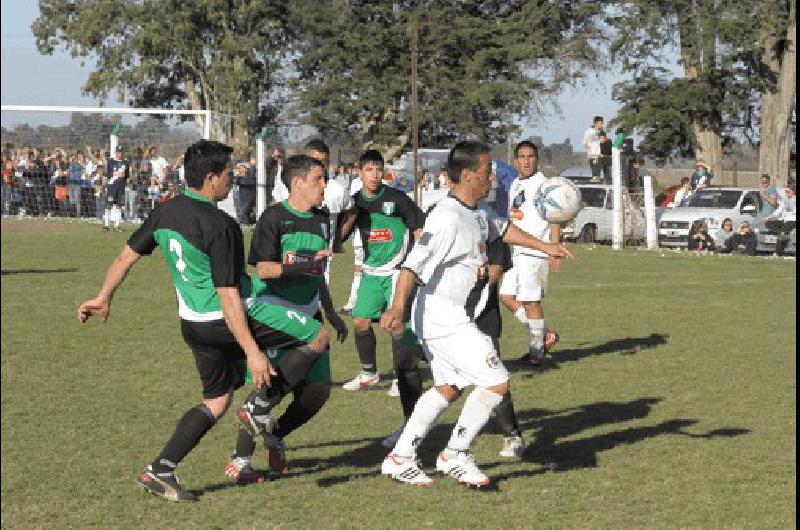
{"type": "Point", "coordinates": [587, 234]}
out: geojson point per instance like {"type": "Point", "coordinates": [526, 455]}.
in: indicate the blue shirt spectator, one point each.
{"type": "Point", "coordinates": [505, 175]}
{"type": "Point", "coordinates": [769, 195]}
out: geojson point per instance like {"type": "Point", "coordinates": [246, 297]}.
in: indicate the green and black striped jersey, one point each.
{"type": "Point", "coordinates": [203, 248]}
{"type": "Point", "coordinates": [285, 235]}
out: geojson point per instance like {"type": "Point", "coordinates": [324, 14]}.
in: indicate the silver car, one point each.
{"type": "Point", "coordinates": [594, 221]}
{"type": "Point", "coordinates": [711, 205]}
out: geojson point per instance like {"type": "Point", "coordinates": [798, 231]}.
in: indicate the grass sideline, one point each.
{"type": "Point", "coordinates": [670, 403]}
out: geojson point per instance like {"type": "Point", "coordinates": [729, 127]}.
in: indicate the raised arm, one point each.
{"type": "Point", "coordinates": [515, 236]}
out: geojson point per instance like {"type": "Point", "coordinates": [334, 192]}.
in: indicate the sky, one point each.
{"type": "Point", "coordinates": [33, 79]}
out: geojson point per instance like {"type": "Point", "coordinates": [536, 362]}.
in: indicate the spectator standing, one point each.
{"type": "Point", "coordinates": [683, 194]}
{"type": "Point", "coordinates": [591, 142]}
{"type": "Point", "coordinates": [119, 172]}
{"type": "Point", "coordinates": [274, 169]}
{"type": "Point", "coordinates": [701, 178]}
{"type": "Point", "coordinates": [74, 177]}
{"type": "Point", "coordinates": [158, 165]}
{"type": "Point", "coordinates": [100, 184]}
{"type": "Point", "coordinates": [637, 175]}
{"type": "Point", "coordinates": [605, 156]}
{"type": "Point", "coordinates": [769, 195]}
{"type": "Point", "coordinates": [246, 180]}
{"type": "Point", "coordinates": [783, 220]}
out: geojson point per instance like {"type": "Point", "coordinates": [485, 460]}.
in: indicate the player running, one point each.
{"type": "Point", "coordinates": [524, 286]}
{"type": "Point", "coordinates": [289, 250]}
{"type": "Point", "coordinates": [448, 259]}
{"type": "Point", "coordinates": [203, 250]}
{"type": "Point", "coordinates": [386, 220]}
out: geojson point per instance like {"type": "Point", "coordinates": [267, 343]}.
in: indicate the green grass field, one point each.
{"type": "Point", "coordinates": [670, 403]}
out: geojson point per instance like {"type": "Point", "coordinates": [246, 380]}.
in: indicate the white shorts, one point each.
{"type": "Point", "coordinates": [527, 279]}
{"type": "Point", "coordinates": [358, 249]}
{"type": "Point", "coordinates": [463, 358]}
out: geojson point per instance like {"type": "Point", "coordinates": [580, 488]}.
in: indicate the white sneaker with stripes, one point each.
{"type": "Point", "coordinates": [405, 470]}
{"type": "Point", "coordinates": [461, 466]}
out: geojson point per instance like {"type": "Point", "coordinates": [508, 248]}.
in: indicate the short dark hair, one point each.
{"type": "Point", "coordinates": [371, 155]}
{"type": "Point", "coordinates": [318, 146]}
{"type": "Point", "coordinates": [205, 157]}
{"type": "Point", "coordinates": [684, 180]}
{"type": "Point", "coordinates": [766, 176]}
{"type": "Point", "coordinates": [298, 166]}
{"type": "Point", "coordinates": [597, 118]}
{"type": "Point", "coordinates": [525, 143]}
{"type": "Point", "coordinates": [464, 155]}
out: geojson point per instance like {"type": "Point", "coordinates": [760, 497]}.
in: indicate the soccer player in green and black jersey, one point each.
{"type": "Point", "coordinates": [225, 329]}
{"type": "Point", "coordinates": [289, 249]}
{"type": "Point", "coordinates": [386, 219]}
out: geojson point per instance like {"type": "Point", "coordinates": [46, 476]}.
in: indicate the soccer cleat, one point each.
{"type": "Point", "coordinates": [362, 380]}
{"type": "Point", "coordinates": [242, 472]}
{"type": "Point", "coordinates": [394, 390]}
{"type": "Point", "coordinates": [551, 338]}
{"type": "Point", "coordinates": [255, 425]}
{"type": "Point", "coordinates": [164, 485]}
{"type": "Point", "coordinates": [405, 470]}
{"type": "Point", "coordinates": [390, 441]}
{"type": "Point", "coordinates": [461, 466]}
{"type": "Point", "coordinates": [276, 453]}
{"type": "Point", "coordinates": [513, 447]}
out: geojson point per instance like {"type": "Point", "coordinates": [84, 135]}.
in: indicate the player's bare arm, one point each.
{"type": "Point", "coordinates": [515, 236]}
{"type": "Point", "coordinates": [555, 237]}
{"type": "Point", "coordinates": [347, 222]}
{"type": "Point", "coordinates": [392, 318]}
{"type": "Point", "coordinates": [330, 313]}
{"type": "Point", "coordinates": [235, 318]}
{"type": "Point", "coordinates": [101, 304]}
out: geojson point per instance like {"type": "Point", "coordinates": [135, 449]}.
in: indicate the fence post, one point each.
{"type": "Point", "coordinates": [650, 214]}
{"type": "Point", "coordinates": [617, 235]}
{"type": "Point", "coordinates": [261, 173]}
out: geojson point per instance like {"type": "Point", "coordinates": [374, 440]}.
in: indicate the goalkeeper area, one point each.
{"type": "Point", "coordinates": [669, 402]}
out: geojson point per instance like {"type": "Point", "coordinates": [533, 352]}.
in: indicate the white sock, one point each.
{"type": "Point", "coordinates": [536, 334]}
{"type": "Point", "coordinates": [106, 214]}
{"type": "Point", "coordinates": [477, 409]}
{"type": "Point", "coordinates": [429, 407]}
{"type": "Point", "coordinates": [521, 316]}
{"type": "Point", "coordinates": [116, 216]}
{"type": "Point", "coordinates": [351, 302]}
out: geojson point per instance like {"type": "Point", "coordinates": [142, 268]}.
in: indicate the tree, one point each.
{"type": "Point", "coordinates": [221, 55]}
{"type": "Point", "coordinates": [481, 65]}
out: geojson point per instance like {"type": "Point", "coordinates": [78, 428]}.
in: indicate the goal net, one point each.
{"type": "Point", "coordinates": [60, 161]}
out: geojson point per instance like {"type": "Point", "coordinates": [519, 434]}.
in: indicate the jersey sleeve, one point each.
{"type": "Point", "coordinates": [432, 248]}
{"type": "Point", "coordinates": [266, 242]}
{"type": "Point", "coordinates": [412, 215]}
{"type": "Point", "coordinates": [226, 257]}
{"type": "Point", "coordinates": [143, 240]}
{"type": "Point", "coordinates": [497, 225]}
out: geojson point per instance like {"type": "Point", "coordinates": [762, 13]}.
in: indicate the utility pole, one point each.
{"type": "Point", "coordinates": [414, 105]}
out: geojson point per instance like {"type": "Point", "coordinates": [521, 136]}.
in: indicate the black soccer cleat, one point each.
{"type": "Point", "coordinates": [164, 485]}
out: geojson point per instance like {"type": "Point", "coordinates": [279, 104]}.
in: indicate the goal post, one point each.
{"type": "Point", "coordinates": [60, 156]}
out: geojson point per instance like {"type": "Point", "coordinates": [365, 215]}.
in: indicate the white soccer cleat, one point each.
{"type": "Point", "coordinates": [405, 470]}
{"type": "Point", "coordinates": [361, 381]}
{"type": "Point", "coordinates": [513, 447]}
{"type": "Point", "coordinates": [461, 466]}
{"type": "Point", "coordinates": [394, 390]}
{"type": "Point", "coordinates": [390, 441]}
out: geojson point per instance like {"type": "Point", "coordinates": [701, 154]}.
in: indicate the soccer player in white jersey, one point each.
{"type": "Point", "coordinates": [447, 261]}
{"type": "Point", "coordinates": [524, 286]}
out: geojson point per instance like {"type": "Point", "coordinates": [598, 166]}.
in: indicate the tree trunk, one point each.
{"type": "Point", "coordinates": [708, 147]}
{"type": "Point", "coordinates": [777, 106]}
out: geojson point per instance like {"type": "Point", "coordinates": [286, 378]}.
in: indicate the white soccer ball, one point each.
{"type": "Point", "coordinates": [558, 200]}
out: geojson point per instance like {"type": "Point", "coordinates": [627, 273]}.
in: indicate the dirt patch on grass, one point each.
{"type": "Point", "coordinates": [39, 226]}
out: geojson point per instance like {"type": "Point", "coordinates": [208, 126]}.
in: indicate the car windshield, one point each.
{"type": "Point", "coordinates": [725, 199]}
{"type": "Point", "coordinates": [593, 197]}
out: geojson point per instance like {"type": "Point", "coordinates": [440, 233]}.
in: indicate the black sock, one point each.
{"type": "Point", "coordinates": [506, 417]}
{"type": "Point", "coordinates": [308, 400]}
{"type": "Point", "coordinates": [190, 429]}
{"type": "Point", "coordinates": [245, 445]}
{"type": "Point", "coordinates": [294, 366]}
{"type": "Point", "coordinates": [409, 379]}
{"type": "Point", "coordinates": [365, 346]}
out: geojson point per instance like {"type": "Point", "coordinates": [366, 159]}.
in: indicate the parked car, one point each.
{"type": "Point", "coordinates": [712, 205]}
{"type": "Point", "coordinates": [767, 240]}
{"type": "Point", "coordinates": [594, 222]}
{"type": "Point", "coordinates": [577, 174]}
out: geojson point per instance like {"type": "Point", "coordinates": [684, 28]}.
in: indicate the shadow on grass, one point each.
{"type": "Point", "coordinates": [37, 271]}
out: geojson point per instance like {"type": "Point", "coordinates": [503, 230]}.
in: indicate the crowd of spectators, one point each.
{"type": "Point", "coordinates": [75, 183]}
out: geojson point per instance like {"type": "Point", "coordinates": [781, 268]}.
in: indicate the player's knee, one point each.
{"type": "Point", "coordinates": [361, 325]}
{"type": "Point", "coordinates": [449, 392]}
{"type": "Point", "coordinates": [320, 342]}
{"type": "Point", "coordinates": [406, 358]}
{"type": "Point", "coordinates": [219, 405]}
{"type": "Point", "coordinates": [315, 395]}
{"type": "Point", "coordinates": [501, 389]}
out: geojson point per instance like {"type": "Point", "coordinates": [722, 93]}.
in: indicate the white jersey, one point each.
{"type": "Point", "coordinates": [336, 197]}
{"type": "Point", "coordinates": [523, 212]}
{"type": "Point", "coordinates": [448, 259]}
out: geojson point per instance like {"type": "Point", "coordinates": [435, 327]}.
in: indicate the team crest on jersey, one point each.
{"type": "Point", "coordinates": [387, 208]}
{"type": "Point", "coordinates": [272, 353]}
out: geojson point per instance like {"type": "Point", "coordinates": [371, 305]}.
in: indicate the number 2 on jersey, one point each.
{"type": "Point", "coordinates": [297, 316]}
{"type": "Point", "coordinates": [175, 246]}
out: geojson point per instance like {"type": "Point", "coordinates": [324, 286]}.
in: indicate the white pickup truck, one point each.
{"type": "Point", "coordinates": [593, 223]}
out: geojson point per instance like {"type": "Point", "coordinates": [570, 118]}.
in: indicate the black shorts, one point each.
{"type": "Point", "coordinates": [116, 194]}
{"type": "Point", "coordinates": [221, 362]}
{"type": "Point", "coordinates": [490, 324]}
